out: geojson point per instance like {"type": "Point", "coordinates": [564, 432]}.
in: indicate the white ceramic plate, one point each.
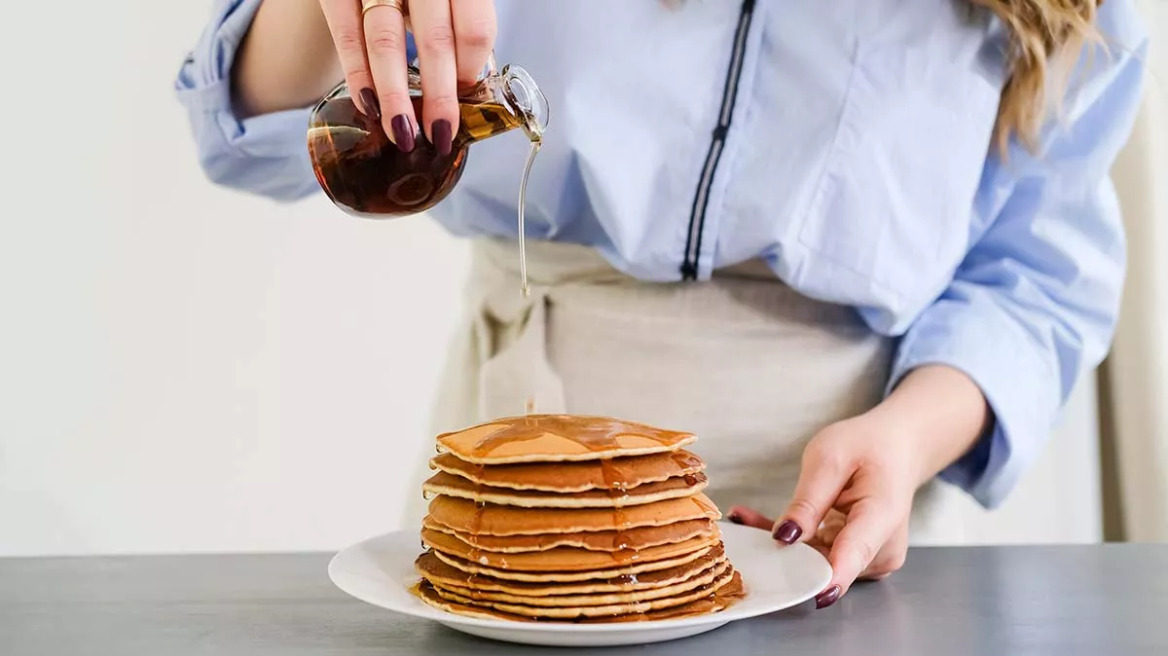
{"type": "Point", "coordinates": [380, 571]}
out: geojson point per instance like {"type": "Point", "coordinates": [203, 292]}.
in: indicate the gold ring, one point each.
{"type": "Point", "coordinates": [366, 5]}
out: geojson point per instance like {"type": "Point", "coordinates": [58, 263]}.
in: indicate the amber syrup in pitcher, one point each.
{"type": "Point", "coordinates": [364, 173]}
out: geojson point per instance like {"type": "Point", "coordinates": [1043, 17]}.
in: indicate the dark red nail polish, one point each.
{"type": "Point", "coordinates": [734, 517]}
{"type": "Point", "coordinates": [403, 133]}
{"type": "Point", "coordinates": [370, 103]}
{"type": "Point", "coordinates": [441, 135]}
{"type": "Point", "coordinates": [827, 597]}
{"type": "Point", "coordinates": [787, 532]}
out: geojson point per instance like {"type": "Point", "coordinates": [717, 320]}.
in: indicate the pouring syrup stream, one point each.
{"type": "Point", "coordinates": [535, 146]}
{"type": "Point", "coordinates": [524, 288]}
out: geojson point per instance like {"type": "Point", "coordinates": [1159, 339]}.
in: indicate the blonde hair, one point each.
{"type": "Point", "coordinates": [1045, 39]}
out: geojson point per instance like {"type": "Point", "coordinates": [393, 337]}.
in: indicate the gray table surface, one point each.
{"type": "Point", "coordinates": [990, 600]}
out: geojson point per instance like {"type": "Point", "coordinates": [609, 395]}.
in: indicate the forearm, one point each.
{"type": "Point", "coordinates": [941, 408]}
{"type": "Point", "coordinates": [286, 61]}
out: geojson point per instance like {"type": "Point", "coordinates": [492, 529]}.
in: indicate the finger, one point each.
{"type": "Point", "coordinates": [344, 23]}
{"type": "Point", "coordinates": [749, 517]}
{"type": "Point", "coordinates": [819, 545]}
{"type": "Point", "coordinates": [870, 525]}
{"type": "Point", "coordinates": [891, 556]}
{"type": "Point", "coordinates": [833, 522]}
{"type": "Point", "coordinates": [474, 37]}
{"type": "Point", "coordinates": [435, 38]}
{"type": "Point", "coordinates": [385, 38]}
{"type": "Point", "coordinates": [821, 478]}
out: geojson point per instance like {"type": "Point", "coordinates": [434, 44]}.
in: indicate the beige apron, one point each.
{"type": "Point", "coordinates": [744, 361]}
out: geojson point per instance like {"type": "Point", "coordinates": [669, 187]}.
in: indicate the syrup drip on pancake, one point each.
{"type": "Point", "coordinates": [616, 489]}
{"type": "Point", "coordinates": [476, 524]}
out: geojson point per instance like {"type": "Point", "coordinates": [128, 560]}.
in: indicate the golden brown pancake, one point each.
{"type": "Point", "coordinates": [568, 576]}
{"type": "Point", "coordinates": [581, 476]}
{"type": "Point", "coordinates": [702, 578]}
{"type": "Point", "coordinates": [571, 518]}
{"type": "Point", "coordinates": [465, 516]}
{"type": "Point", "coordinates": [633, 538]}
{"type": "Point", "coordinates": [721, 598]}
{"type": "Point", "coordinates": [712, 603]}
{"type": "Point", "coordinates": [558, 438]}
{"type": "Point", "coordinates": [434, 569]}
{"type": "Point", "coordinates": [571, 612]}
{"type": "Point", "coordinates": [561, 559]}
{"type": "Point", "coordinates": [456, 486]}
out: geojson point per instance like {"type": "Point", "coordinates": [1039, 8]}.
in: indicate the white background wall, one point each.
{"type": "Point", "coordinates": [183, 368]}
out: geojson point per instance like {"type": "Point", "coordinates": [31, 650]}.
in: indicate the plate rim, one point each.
{"type": "Point", "coordinates": [421, 610]}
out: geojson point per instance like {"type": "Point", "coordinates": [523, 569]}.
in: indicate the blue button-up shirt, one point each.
{"type": "Point", "coordinates": [846, 142]}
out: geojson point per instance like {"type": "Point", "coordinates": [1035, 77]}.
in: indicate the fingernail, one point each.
{"type": "Point", "coordinates": [403, 133]}
{"type": "Point", "coordinates": [827, 597]}
{"type": "Point", "coordinates": [369, 102]}
{"type": "Point", "coordinates": [441, 135]}
{"type": "Point", "coordinates": [734, 517]}
{"type": "Point", "coordinates": [787, 532]}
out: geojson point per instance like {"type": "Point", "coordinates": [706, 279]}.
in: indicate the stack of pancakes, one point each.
{"type": "Point", "coordinates": [561, 517]}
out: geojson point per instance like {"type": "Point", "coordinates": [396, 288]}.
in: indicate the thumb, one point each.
{"type": "Point", "coordinates": [821, 478]}
{"type": "Point", "coordinates": [871, 523]}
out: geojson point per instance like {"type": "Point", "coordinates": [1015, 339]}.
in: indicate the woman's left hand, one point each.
{"type": "Point", "coordinates": [858, 476]}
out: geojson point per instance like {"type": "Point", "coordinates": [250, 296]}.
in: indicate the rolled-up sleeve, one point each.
{"type": "Point", "coordinates": [1034, 302]}
{"type": "Point", "coordinates": [264, 154]}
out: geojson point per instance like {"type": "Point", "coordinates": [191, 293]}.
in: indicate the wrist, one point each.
{"type": "Point", "coordinates": [287, 59]}
{"type": "Point", "coordinates": [939, 413]}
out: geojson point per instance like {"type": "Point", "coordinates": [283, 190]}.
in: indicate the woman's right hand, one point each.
{"type": "Point", "coordinates": [454, 38]}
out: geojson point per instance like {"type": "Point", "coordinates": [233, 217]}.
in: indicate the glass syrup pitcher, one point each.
{"type": "Point", "coordinates": [365, 174]}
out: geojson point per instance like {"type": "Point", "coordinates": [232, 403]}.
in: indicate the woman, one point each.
{"type": "Point", "coordinates": [887, 227]}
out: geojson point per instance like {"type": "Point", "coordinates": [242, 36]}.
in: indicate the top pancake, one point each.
{"type": "Point", "coordinates": [558, 438]}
